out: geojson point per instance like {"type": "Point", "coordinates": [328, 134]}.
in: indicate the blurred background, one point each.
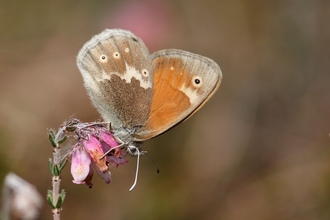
{"type": "Point", "coordinates": [259, 149]}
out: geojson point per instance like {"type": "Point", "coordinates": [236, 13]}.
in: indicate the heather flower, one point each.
{"type": "Point", "coordinates": [93, 151]}
{"type": "Point", "coordinates": [80, 165]}
{"type": "Point", "coordinates": [118, 156]}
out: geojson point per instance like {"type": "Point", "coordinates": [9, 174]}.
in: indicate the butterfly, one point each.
{"type": "Point", "coordinates": [143, 95]}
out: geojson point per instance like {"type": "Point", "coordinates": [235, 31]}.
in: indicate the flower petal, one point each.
{"type": "Point", "coordinates": [108, 138]}
{"type": "Point", "coordinates": [80, 165]}
{"type": "Point", "coordinates": [93, 147]}
{"type": "Point", "coordinates": [108, 142]}
{"type": "Point", "coordinates": [88, 180]}
{"type": "Point", "coordinates": [106, 176]}
{"type": "Point", "coordinates": [118, 158]}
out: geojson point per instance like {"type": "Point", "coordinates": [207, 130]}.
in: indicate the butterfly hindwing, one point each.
{"type": "Point", "coordinates": [183, 82]}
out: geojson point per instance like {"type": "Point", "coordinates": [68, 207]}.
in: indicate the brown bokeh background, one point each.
{"type": "Point", "coordinates": [259, 149]}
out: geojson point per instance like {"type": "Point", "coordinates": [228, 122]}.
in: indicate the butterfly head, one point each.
{"type": "Point", "coordinates": [134, 150]}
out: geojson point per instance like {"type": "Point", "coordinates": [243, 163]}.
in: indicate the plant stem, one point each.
{"type": "Point", "coordinates": [56, 182]}
{"type": "Point", "coordinates": [56, 179]}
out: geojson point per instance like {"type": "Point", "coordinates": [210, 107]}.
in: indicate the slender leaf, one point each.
{"type": "Point", "coordinates": [59, 202]}
{"type": "Point", "coordinates": [50, 198]}
{"type": "Point", "coordinates": [63, 195]}
{"type": "Point", "coordinates": [56, 170]}
{"type": "Point", "coordinates": [50, 164]}
{"type": "Point", "coordinates": [51, 137]}
{"type": "Point", "coordinates": [62, 165]}
{"type": "Point", "coordinates": [62, 140]}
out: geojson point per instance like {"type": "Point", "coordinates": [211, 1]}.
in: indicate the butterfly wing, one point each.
{"type": "Point", "coordinates": [183, 82]}
{"type": "Point", "coordinates": [117, 72]}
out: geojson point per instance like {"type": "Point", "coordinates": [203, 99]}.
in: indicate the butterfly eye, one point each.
{"type": "Point", "coordinates": [133, 150]}
{"type": "Point", "coordinates": [126, 49]}
{"type": "Point", "coordinates": [116, 55]}
{"type": "Point", "coordinates": [145, 73]}
{"type": "Point", "coordinates": [197, 82]}
{"type": "Point", "coordinates": [103, 58]}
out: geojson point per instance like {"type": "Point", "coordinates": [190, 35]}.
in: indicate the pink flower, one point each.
{"type": "Point", "coordinates": [89, 153]}
{"type": "Point", "coordinates": [81, 166]}
{"type": "Point", "coordinates": [117, 157]}
{"type": "Point", "coordinates": [94, 149]}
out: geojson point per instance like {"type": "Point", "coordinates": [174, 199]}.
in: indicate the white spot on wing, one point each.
{"type": "Point", "coordinates": [196, 82]}
{"type": "Point", "coordinates": [191, 93]}
{"type": "Point", "coordinates": [103, 58]}
{"type": "Point", "coordinates": [145, 73]}
{"type": "Point", "coordinates": [128, 75]}
{"type": "Point", "coordinates": [116, 55]}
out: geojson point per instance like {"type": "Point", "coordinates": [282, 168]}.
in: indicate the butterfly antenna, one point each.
{"type": "Point", "coordinates": [152, 161]}
{"type": "Point", "coordinates": [137, 169]}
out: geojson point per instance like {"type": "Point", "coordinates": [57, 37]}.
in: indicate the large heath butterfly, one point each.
{"type": "Point", "coordinates": [143, 95]}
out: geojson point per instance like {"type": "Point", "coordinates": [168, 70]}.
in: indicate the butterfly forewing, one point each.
{"type": "Point", "coordinates": [183, 82]}
{"type": "Point", "coordinates": [116, 68]}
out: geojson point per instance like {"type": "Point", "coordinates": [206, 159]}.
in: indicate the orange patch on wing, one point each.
{"type": "Point", "coordinates": [168, 102]}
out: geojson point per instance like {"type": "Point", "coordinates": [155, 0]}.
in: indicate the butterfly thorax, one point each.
{"type": "Point", "coordinates": [124, 137]}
